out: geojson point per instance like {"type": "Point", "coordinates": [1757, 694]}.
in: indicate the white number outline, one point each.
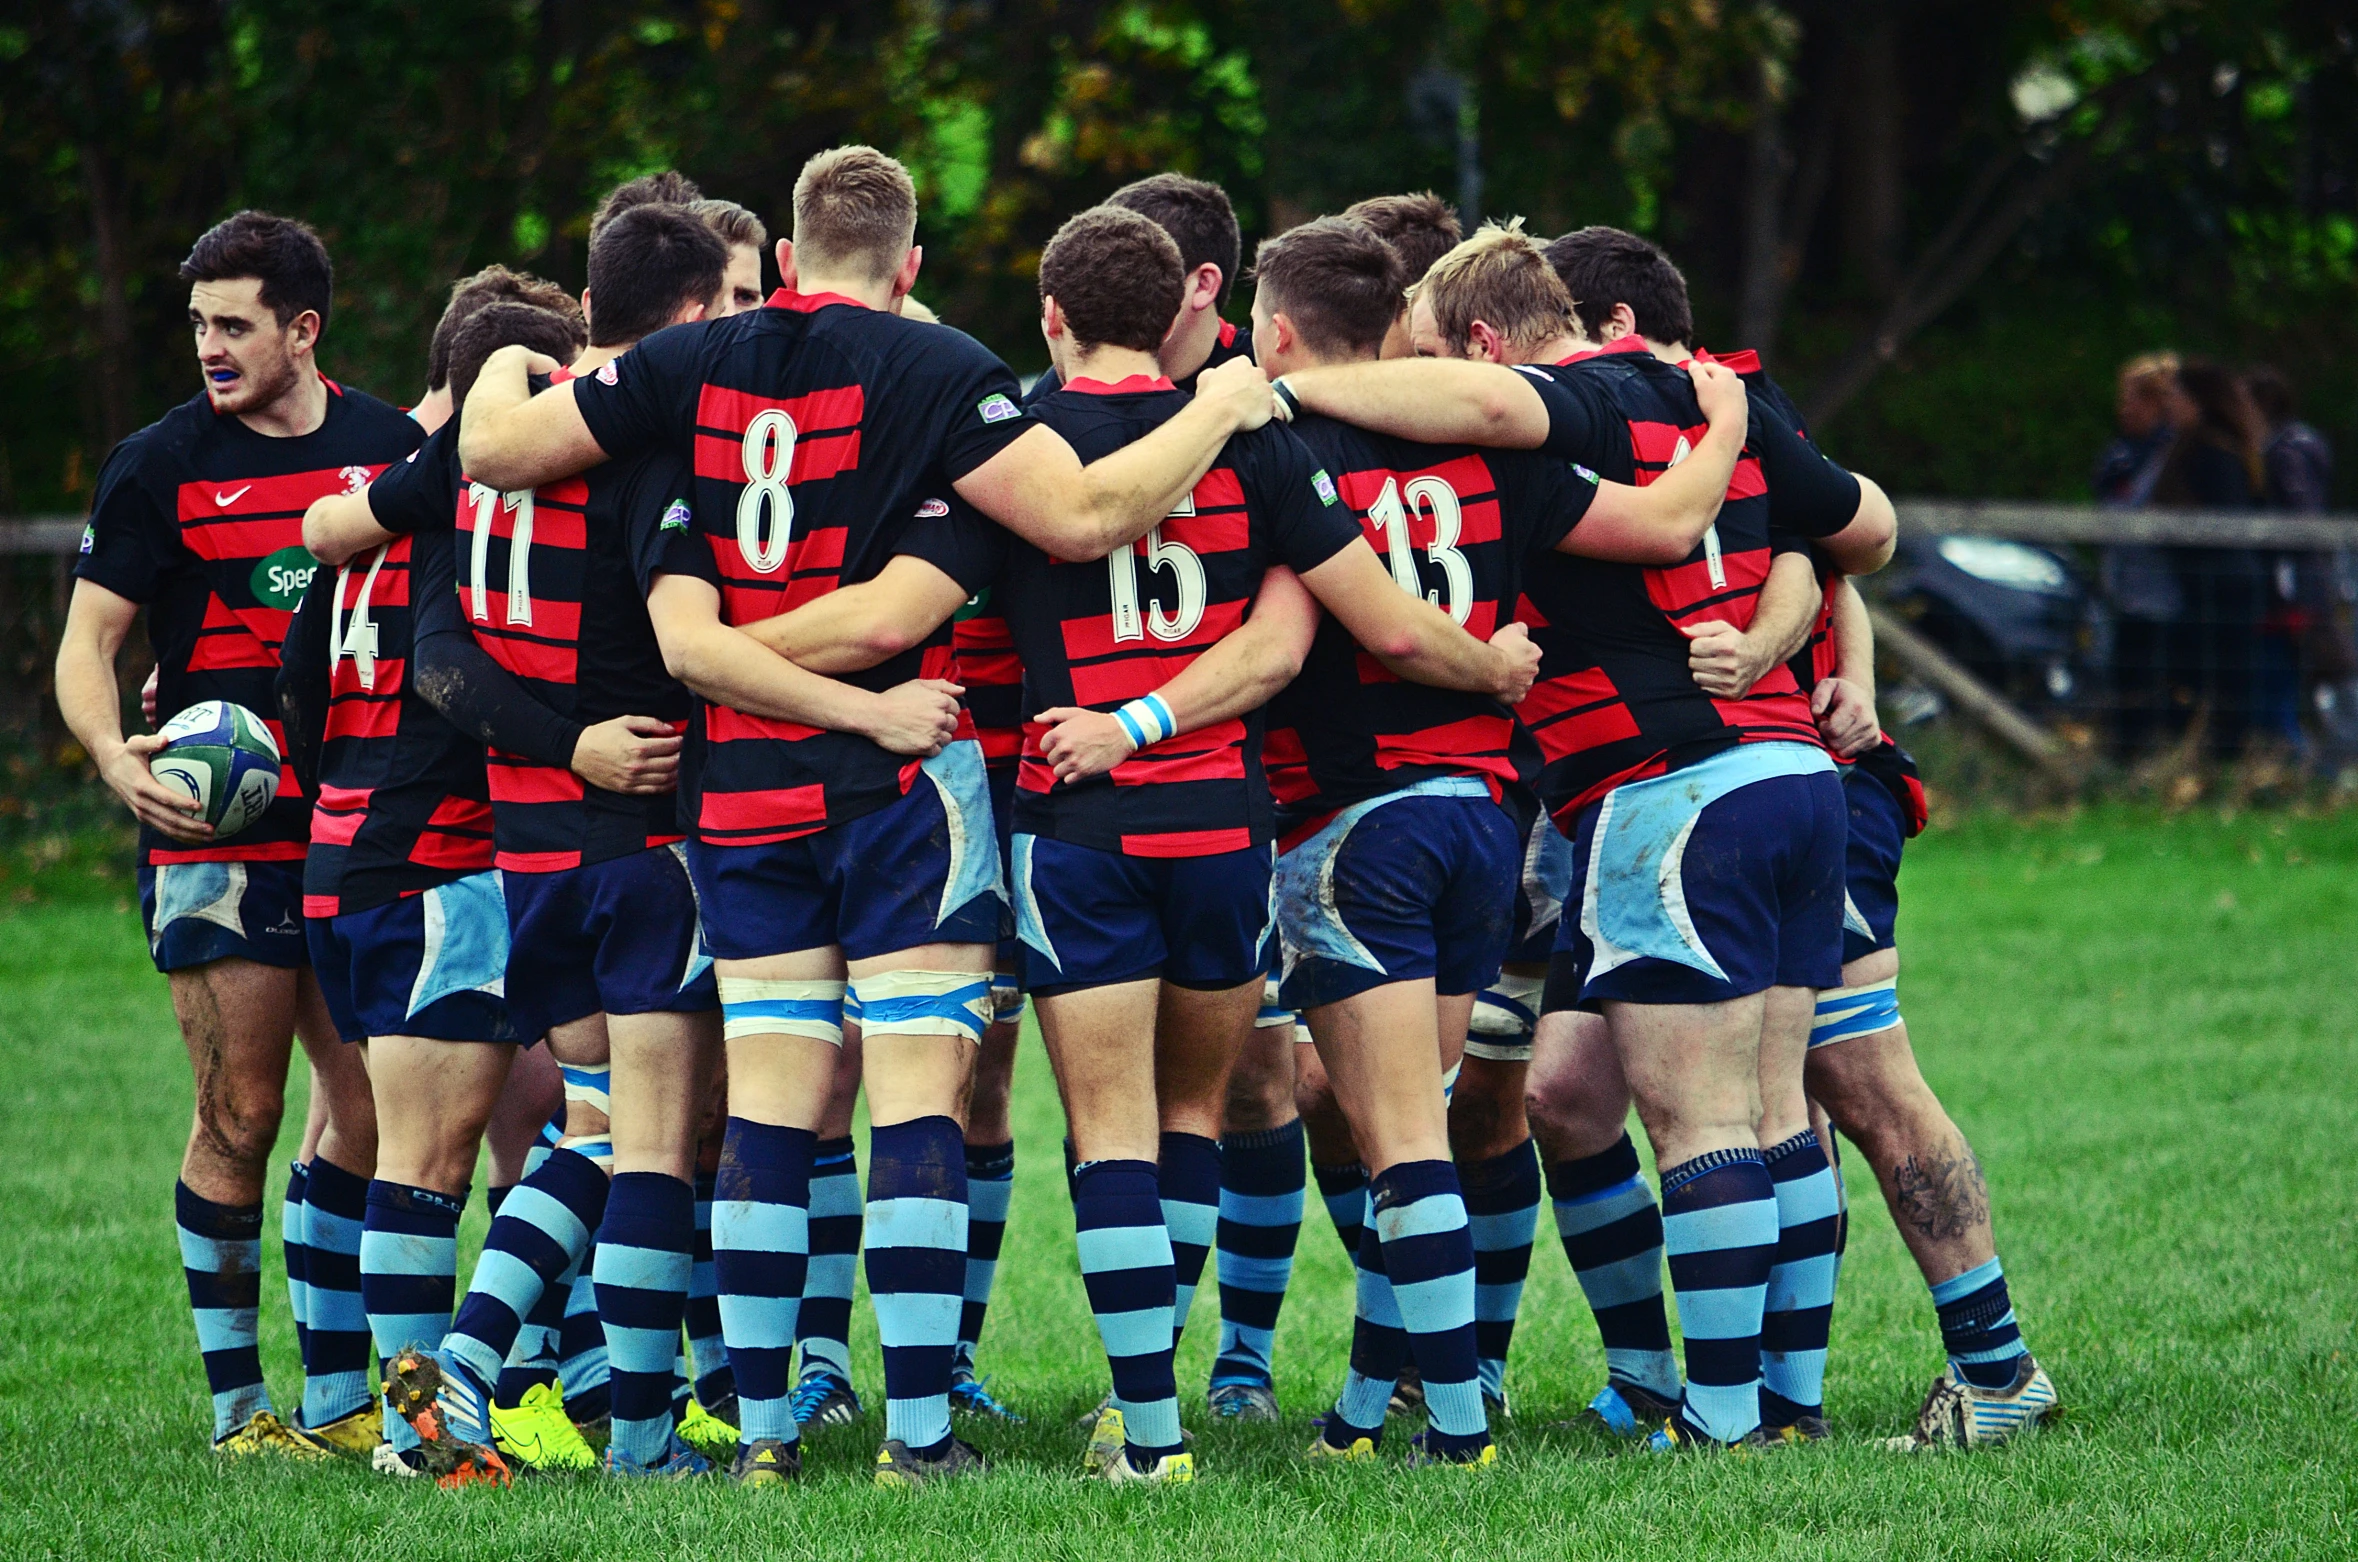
{"type": "Point", "coordinates": [1130, 622]}
{"type": "Point", "coordinates": [768, 455]}
{"type": "Point", "coordinates": [1391, 515]}
{"type": "Point", "coordinates": [519, 607]}
{"type": "Point", "coordinates": [356, 637]}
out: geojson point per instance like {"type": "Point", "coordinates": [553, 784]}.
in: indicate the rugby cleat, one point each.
{"type": "Point", "coordinates": [767, 1462]}
{"type": "Point", "coordinates": [1408, 1394]}
{"type": "Point", "coordinates": [265, 1433]}
{"type": "Point", "coordinates": [358, 1434]}
{"type": "Point", "coordinates": [1809, 1429]}
{"type": "Point", "coordinates": [896, 1466]}
{"type": "Point", "coordinates": [1242, 1401]}
{"type": "Point", "coordinates": [971, 1395]}
{"type": "Point", "coordinates": [537, 1433]}
{"type": "Point", "coordinates": [438, 1396]}
{"type": "Point", "coordinates": [1107, 1438]}
{"type": "Point", "coordinates": [823, 1399]}
{"type": "Point", "coordinates": [1626, 1410]}
{"type": "Point", "coordinates": [1421, 1453]}
{"type": "Point", "coordinates": [1956, 1414]}
{"type": "Point", "coordinates": [401, 1463]}
{"type": "Point", "coordinates": [679, 1463]}
{"type": "Point", "coordinates": [1170, 1470]}
{"type": "Point", "coordinates": [1322, 1450]}
{"type": "Point", "coordinates": [1678, 1435]}
{"type": "Point", "coordinates": [707, 1433]}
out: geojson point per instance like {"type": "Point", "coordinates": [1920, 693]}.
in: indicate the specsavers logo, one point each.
{"type": "Point", "coordinates": [279, 580]}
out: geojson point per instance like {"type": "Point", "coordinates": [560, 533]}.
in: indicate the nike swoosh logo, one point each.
{"type": "Point", "coordinates": [226, 500]}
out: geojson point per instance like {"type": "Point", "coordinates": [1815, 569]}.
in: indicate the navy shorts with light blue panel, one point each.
{"type": "Point", "coordinates": [923, 870]}
{"type": "Point", "coordinates": [1414, 884]}
{"type": "Point", "coordinates": [1002, 784]}
{"type": "Point", "coordinates": [1090, 918]}
{"type": "Point", "coordinates": [199, 912]}
{"type": "Point", "coordinates": [433, 964]}
{"type": "Point", "coordinates": [1546, 885]}
{"type": "Point", "coordinates": [614, 937]}
{"type": "Point", "coordinates": [1878, 832]}
{"type": "Point", "coordinates": [1713, 882]}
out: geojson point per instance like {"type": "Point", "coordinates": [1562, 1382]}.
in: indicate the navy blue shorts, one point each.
{"type": "Point", "coordinates": [1416, 884]}
{"type": "Point", "coordinates": [616, 937]}
{"type": "Point", "coordinates": [1878, 832]}
{"type": "Point", "coordinates": [1713, 882]}
{"type": "Point", "coordinates": [923, 870]}
{"type": "Point", "coordinates": [432, 965]}
{"type": "Point", "coordinates": [198, 912]}
{"type": "Point", "coordinates": [1540, 894]}
{"type": "Point", "coordinates": [1091, 918]}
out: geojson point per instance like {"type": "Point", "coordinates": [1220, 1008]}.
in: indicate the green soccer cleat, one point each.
{"type": "Point", "coordinates": [537, 1433]}
{"type": "Point", "coordinates": [1107, 1437]}
{"type": "Point", "coordinates": [707, 1433]}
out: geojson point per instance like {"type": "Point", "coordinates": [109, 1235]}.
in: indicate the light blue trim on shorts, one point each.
{"type": "Point", "coordinates": [1304, 883]}
{"type": "Point", "coordinates": [466, 941]}
{"type": "Point", "coordinates": [1030, 931]}
{"type": "Point", "coordinates": [1633, 903]}
{"type": "Point", "coordinates": [699, 953]}
{"type": "Point", "coordinates": [964, 784]}
{"type": "Point", "coordinates": [212, 892]}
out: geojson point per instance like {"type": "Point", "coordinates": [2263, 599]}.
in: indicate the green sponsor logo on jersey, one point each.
{"type": "Point", "coordinates": [675, 519]}
{"type": "Point", "coordinates": [280, 579]}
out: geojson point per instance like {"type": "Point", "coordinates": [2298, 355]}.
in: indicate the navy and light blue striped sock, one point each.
{"type": "Point", "coordinates": [1125, 1250]}
{"type": "Point", "coordinates": [1343, 1190]}
{"type": "Point", "coordinates": [990, 1185]}
{"type": "Point", "coordinates": [538, 1232]}
{"type": "Point", "coordinates": [291, 1247]}
{"type": "Point", "coordinates": [1977, 1326]}
{"type": "Point", "coordinates": [708, 1352]}
{"type": "Point", "coordinates": [536, 1357]}
{"type": "Point", "coordinates": [1612, 1232]}
{"type": "Point", "coordinates": [1188, 1171]}
{"type": "Point", "coordinates": [582, 1369]}
{"type": "Point", "coordinates": [1502, 1209]}
{"type": "Point", "coordinates": [1798, 1311]}
{"type": "Point", "coordinates": [761, 1238]}
{"type": "Point", "coordinates": [221, 1259]}
{"type": "Point", "coordinates": [642, 1266]}
{"type": "Point", "coordinates": [336, 1348]}
{"type": "Point", "coordinates": [1262, 1184]}
{"type": "Point", "coordinates": [1419, 1215]}
{"type": "Point", "coordinates": [916, 1235]}
{"type": "Point", "coordinates": [1719, 1225]}
{"type": "Point", "coordinates": [408, 1273]}
{"type": "Point", "coordinates": [1379, 1345]}
{"type": "Point", "coordinates": [836, 1213]}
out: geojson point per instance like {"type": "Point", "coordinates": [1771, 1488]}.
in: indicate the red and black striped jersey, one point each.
{"type": "Point", "coordinates": [1234, 341]}
{"type": "Point", "coordinates": [986, 663]}
{"type": "Point", "coordinates": [816, 427]}
{"type": "Point", "coordinates": [1457, 526]}
{"type": "Point", "coordinates": [402, 804]}
{"type": "Point", "coordinates": [1816, 661]}
{"type": "Point", "coordinates": [1102, 633]}
{"type": "Point", "coordinates": [545, 584]}
{"type": "Point", "coordinates": [199, 520]}
{"type": "Point", "coordinates": [1615, 700]}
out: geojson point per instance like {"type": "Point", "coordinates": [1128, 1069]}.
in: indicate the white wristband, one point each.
{"type": "Point", "coordinates": [1148, 720]}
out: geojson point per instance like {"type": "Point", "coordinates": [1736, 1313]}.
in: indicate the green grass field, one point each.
{"type": "Point", "coordinates": [2146, 1026]}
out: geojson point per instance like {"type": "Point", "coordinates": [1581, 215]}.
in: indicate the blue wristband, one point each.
{"type": "Point", "coordinates": [1130, 726]}
{"type": "Point", "coordinates": [1148, 720]}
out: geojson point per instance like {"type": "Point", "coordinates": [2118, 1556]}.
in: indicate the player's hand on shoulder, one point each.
{"type": "Point", "coordinates": [636, 755]}
{"type": "Point", "coordinates": [516, 352]}
{"type": "Point", "coordinates": [1846, 717]}
{"type": "Point", "coordinates": [1514, 642]}
{"type": "Point", "coordinates": [1081, 743]}
{"type": "Point", "coordinates": [917, 717]}
{"type": "Point", "coordinates": [1724, 661]}
{"type": "Point", "coordinates": [1720, 391]}
{"type": "Point", "coordinates": [1239, 388]}
{"type": "Point", "coordinates": [154, 804]}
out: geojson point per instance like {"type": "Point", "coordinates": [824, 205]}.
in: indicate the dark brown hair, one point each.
{"type": "Point", "coordinates": [1420, 226]}
{"type": "Point", "coordinates": [507, 324]}
{"type": "Point", "coordinates": [1117, 277]}
{"type": "Point", "coordinates": [1336, 281]}
{"type": "Point", "coordinates": [644, 265]}
{"type": "Point", "coordinates": [854, 209]}
{"type": "Point", "coordinates": [2225, 418]}
{"type": "Point", "coordinates": [668, 188]}
{"type": "Point", "coordinates": [1607, 266]}
{"type": "Point", "coordinates": [732, 222]}
{"type": "Point", "coordinates": [284, 255]}
{"type": "Point", "coordinates": [1197, 216]}
{"type": "Point", "coordinates": [494, 284]}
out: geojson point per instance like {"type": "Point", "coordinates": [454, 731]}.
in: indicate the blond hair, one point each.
{"type": "Point", "coordinates": [855, 210]}
{"type": "Point", "coordinates": [1500, 277]}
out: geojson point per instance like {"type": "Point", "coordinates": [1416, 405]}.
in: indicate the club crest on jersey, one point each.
{"type": "Point", "coordinates": [997, 409]}
{"type": "Point", "coordinates": [932, 509]}
{"type": "Point", "coordinates": [280, 580]}
{"type": "Point", "coordinates": [355, 478]}
{"type": "Point", "coordinates": [675, 517]}
{"type": "Point", "coordinates": [1325, 486]}
{"type": "Point", "coordinates": [607, 373]}
{"type": "Point", "coordinates": [89, 537]}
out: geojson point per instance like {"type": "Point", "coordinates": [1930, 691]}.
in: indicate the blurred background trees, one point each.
{"type": "Point", "coordinates": [1945, 221]}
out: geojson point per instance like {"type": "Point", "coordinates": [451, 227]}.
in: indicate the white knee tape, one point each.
{"type": "Point", "coordinates": [1449, 1080]}
{"type": "Point", "coordinates": [924, 1003]}
{"type": "Point", "coordinates": [764, 1006]}
{"type": "Point", "coordinates": [1845, 1012]}
{"type": "Point", "coordinates": [1007, 996]}
{"type": "Point", "coordinates": [588, 1085]}
{"type": "Point", "coordinates": [599, 1148]}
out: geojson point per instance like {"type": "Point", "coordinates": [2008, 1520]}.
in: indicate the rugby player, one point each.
{"type": "Point", "coordinates": [1398, 855]}
{"type": "Point", "coordinates": [821, 423]}
{"type": "Point", "coordinates": [494, 284]}
{"type": "Point", "coordinates": [197, 519]}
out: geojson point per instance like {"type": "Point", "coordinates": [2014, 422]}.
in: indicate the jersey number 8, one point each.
{"type": "Point", "coordinates": [1187, 573]}
{"type": "Point", "coordinates": [769, 459]}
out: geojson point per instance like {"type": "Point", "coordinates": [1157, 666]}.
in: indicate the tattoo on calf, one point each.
{"type": "Point", "coordinates": [1941, 1198]}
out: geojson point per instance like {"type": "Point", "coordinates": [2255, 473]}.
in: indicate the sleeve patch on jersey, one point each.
{"type": "Point", "coordinates": [1584, 474]}
{"type": "Point", "coordinates": [89, 536]}
{"type": "Point", "coordinates": [934, 509]}
{"type": "Point", "coordinates": [1325, 486]}
{"type": "Point", "coordinates": [675, 517]}
{"type": "Point", "coordinates": [607, 373]}
{"type": "Point", "coordinates": [997, 409]}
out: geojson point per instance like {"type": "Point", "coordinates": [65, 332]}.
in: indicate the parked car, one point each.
{"type": "Point", "coordinates": [2026, 620]}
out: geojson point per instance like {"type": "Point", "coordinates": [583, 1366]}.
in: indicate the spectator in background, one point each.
{"type": "Point", "coordinates": [2139, 581]}
{"type": "Point", "coordinates": [2142, 399]}
{"type": "Point", "coordinates": [2215, 464]}
{"type": "Point", "coordinates": [2311, 594]}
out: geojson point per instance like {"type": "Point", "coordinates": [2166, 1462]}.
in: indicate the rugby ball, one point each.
{"type": "Point", "coordinates": [221, 755]}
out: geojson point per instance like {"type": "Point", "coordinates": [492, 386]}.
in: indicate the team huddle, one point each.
{"type": "Point", "coordinates": [1382, 747]}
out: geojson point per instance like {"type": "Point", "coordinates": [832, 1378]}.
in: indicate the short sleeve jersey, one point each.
{"type": "Point", "coordinates": [199, 520]}
{"type": "Point", "coordinates": [1615, 700]}
{"type": "Point", "coordinates": [816, 428]}
{"type": "Point", "coordinates": [1457, 526]}
{"type": "Point", "coordinates": [1101, 633]}
{"type": "Point", "coordinates": [403, 804]}
{"type": "Point", "coordinates": [1234, 341]}
{"type": "Point", "coordinates": [544, 583]}
{"type": "Point", "coordinates": [992, 672]}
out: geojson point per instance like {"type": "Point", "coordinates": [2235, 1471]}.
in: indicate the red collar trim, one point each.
{"type": "Point", "coordinates": [1227, 334]}
{"type": "Point", "coordinates": [1632, 343]}
{"type": "Point", "coordinates": [1135, 384]}
{"type": "Point", "coordinates": [561, 375]}
{"type": "Point", "coordinates": [1742, 361]}
{"type": "Point", "coordinates": [807, 303]}
{"type": "Point", "coordinates": [1584, 353]}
